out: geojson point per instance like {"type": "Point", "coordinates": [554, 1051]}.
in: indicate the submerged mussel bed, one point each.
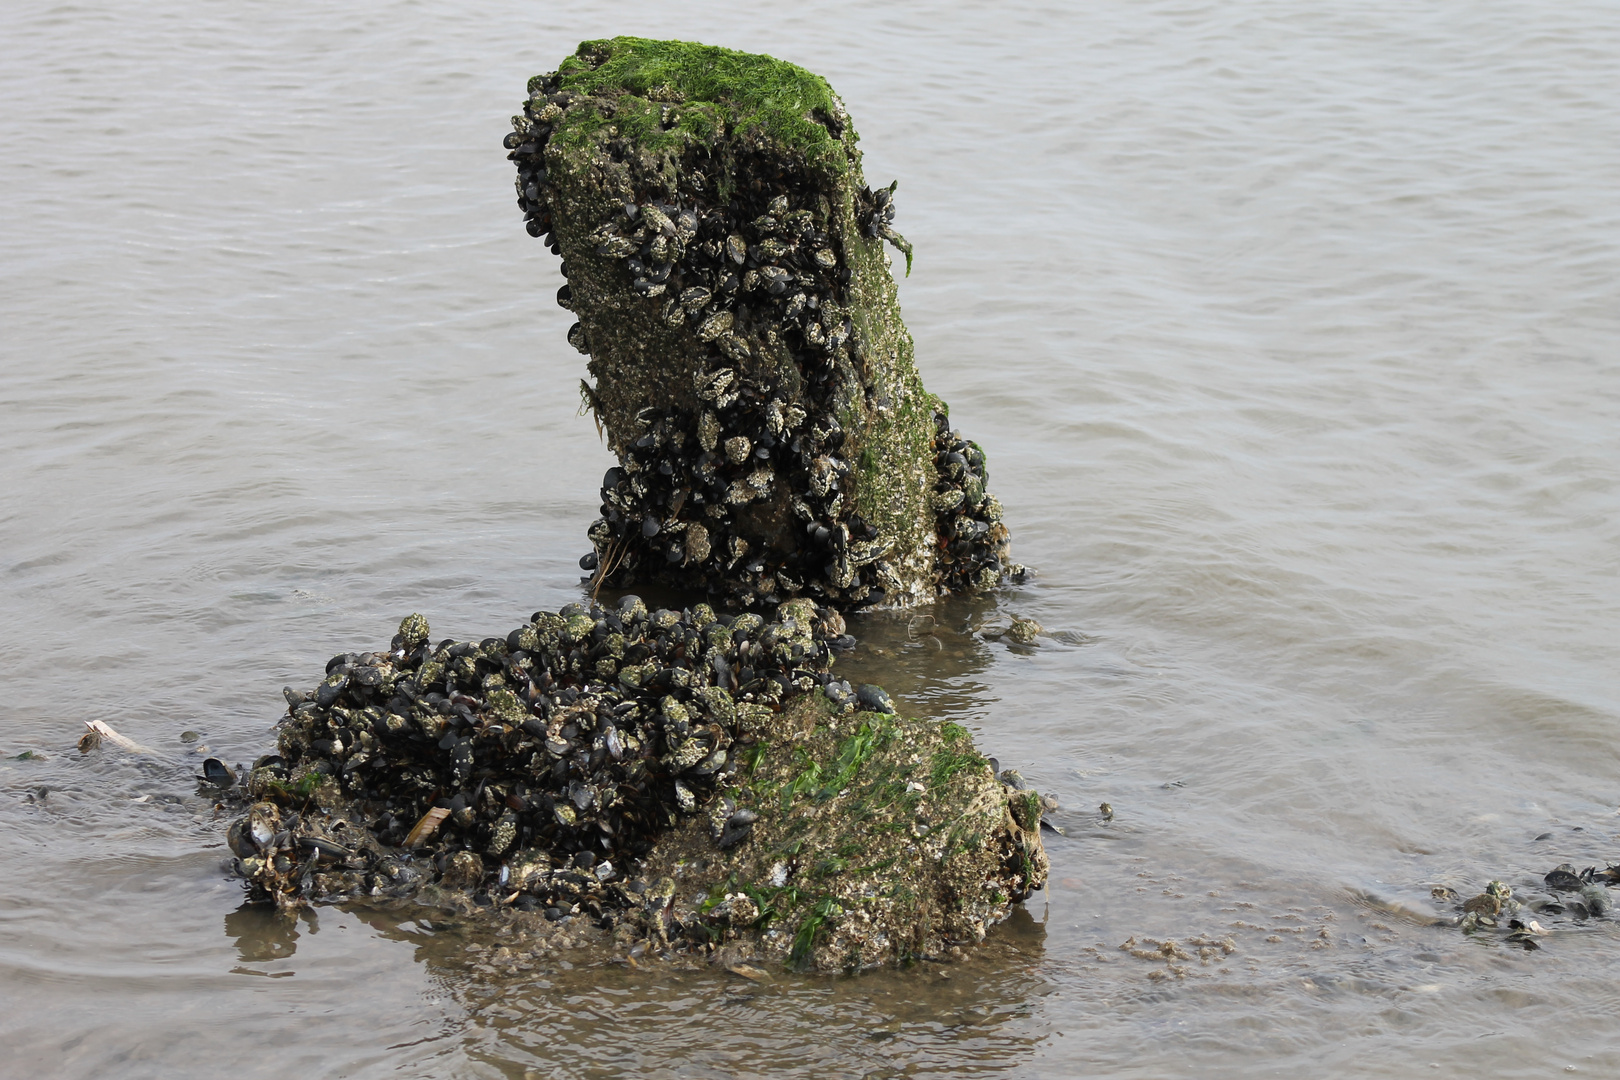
{"type": "Point", "coordinates": [532, 770]}
{"type": "Point", "coordinates": [746, 485]}
{"type": "Point", "coordinates": [1563, 897]}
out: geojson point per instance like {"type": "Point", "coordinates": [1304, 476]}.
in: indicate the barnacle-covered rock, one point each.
{"type": "Point", "coordinates": [870, 839]}
{"type": "Point", "coordinates": [725, 259]}
{"type": "Point", "coordinates": [562, 768]}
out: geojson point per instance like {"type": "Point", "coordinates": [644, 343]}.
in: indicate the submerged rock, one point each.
{"type": "Point", "coordinates": [725, 258]}
{"type": "Point", "coordinates": [664, 776]}
{"type": "Point", "coordinates": [1516, 915]}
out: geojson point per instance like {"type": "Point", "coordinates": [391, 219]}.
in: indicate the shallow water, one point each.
{"type": "Point", "coordinates": [1291, 332]}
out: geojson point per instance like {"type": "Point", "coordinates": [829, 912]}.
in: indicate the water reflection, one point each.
{"type": "Point", "coordinates": [937, 659]}
{"type": "Point", "coordinates": [929, 659]}
{"type": "Point", "coordinates": [585, 1015]}
{"type": "Point", "coordinates": [263, 934]}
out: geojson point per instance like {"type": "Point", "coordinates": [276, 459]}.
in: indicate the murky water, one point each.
{"type": "Point", "coordinates": [1291, 329]}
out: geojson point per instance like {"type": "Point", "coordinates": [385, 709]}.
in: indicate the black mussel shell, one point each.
{"type": "Point", "coordinates": [216, 772]}
{"type": "Point", "coordinates": [330, 692]}
{"type": "Point", "coordinates": [874, 698]}
{"type": "Point", "coordinates": [1564, 878]}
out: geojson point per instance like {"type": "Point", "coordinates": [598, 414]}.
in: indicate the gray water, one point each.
{"type": "Point", "coordinates": [1291, 329]}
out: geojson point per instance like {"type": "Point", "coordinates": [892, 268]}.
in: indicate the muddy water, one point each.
{"type": "Point", "coordinates": [1291, 331]}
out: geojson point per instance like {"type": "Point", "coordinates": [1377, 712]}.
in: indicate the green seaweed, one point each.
{"type": "Point", "coordinates": [804, 942]}
{"type": "Point", "coordinates": [825, 780]}
{"type": "Point", "coordinates": [807, 779]}
{"type": "Point", "coordinates": [774, 902]}
{"type": "Point", "coordinates": [879, 866]}
{"type": "Point", "coordinates": [1026, 810]}
{"type": "Point", "coordinates": [831, 866]}
{"type": "Point", "coordinates": [751, 755]}
{"type": "Point", "coordinates": [717, 894]}
{"type": "Point", "coordinates": [297, 791]}
{"type": "Point", "coordinates": [851, 756]}
{"type": "Point", "coordinates": [950, 762]}
{"type": "Point", "coordinates": [883, 491]}
{"type": "Point", "coordinates": [674, 91]}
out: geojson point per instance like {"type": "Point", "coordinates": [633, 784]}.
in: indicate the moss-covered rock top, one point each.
{"type": "Point", "coordinates": [718, 89]}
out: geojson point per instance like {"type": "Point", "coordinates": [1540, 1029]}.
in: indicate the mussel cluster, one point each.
{"type": "Point", "coordinates": [539, 763]}
{"type": "Point", "coordinates": [1578, 894]}
{"type": "Point", "coordinates": [876, 216]}
{"type": "Point", "coordinates": [750, 495]}
{"type": "Point", "coordinates": [972, 539]}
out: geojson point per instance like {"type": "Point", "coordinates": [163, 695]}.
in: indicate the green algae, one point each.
{"type": "Point", "coordinates": [954, 758]}
{"type": "Point", "coordinates": [293, 791]}
{"type": "Point", "coordinates": [804, 942]}
{"type": "Point", "coordinates": [879, 839]}
{"type": "Point", "coordinates": [712, 90]}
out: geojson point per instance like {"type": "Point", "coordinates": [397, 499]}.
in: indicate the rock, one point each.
{"type": "Point", "coordinates": [859, 857]}
{"type": "Point", "coordinates": [725, 259]}
{"type": "Point", "coordinates": [1025, 631]}
{"type": "Point", "coordinates": [801, 830]}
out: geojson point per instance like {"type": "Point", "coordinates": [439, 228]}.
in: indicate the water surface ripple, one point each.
{"type": "Point", "coordinates": [1290, 329]}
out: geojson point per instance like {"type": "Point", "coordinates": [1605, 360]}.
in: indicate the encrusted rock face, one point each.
{"type": "Point", "coordinates": [582, 736]}
{"type": "Point", "coordinates": [725, 258]}
{"type": "Point", "coordinates": [663, 776]}
{"type": "Point", "coordinates": [877, 839]}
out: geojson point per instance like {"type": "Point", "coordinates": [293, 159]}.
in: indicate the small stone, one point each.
{"type": "Point", "coordinates": [1024, 631]}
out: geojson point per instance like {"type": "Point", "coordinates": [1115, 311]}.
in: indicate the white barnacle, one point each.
{"type": "Point", "coordinates": [715, 325]}
{"type": "Point", "coordinates": [709, 431]}
{"type": "Point", "coordinates": [697, 543]}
